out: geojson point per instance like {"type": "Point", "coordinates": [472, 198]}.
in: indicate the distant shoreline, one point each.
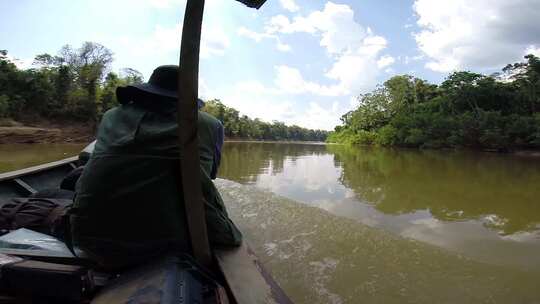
{"type": "Point", "coordinates": [262, 141]}
{"type": "Point", "coordinates": [44, 132]}
{"type": "Point", "coordinates": [12, 132]}
{"type": "Point", "coordinates": [49, 133]}
{"type": "Point", "coordinates": [517, 152]}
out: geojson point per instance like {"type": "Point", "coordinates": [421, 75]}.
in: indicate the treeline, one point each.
{"type": "Point", "coordinates": [75, 84]}
{"type": "Point", "coordinates": [237, 126]}
{"type": "Point", "coordinates": [497, 112]}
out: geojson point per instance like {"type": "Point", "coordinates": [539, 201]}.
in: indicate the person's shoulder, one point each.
{"type": "Point", "coordinates": [208, 118]}
{"type": "Point", "coordinates": [120, 110]}
{"type": "Point", "coordinates": [110, 112]}
{"type": "Point", "coordinates": [121, 114]}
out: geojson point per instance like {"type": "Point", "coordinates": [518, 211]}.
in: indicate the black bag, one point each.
{"type": "Point", "coordinates": [45, 215]}
{"type": "Point", "coordinates": [166, 280]}
{"type": "Point", "coordinates": [70, 181]}
{"type": "Point", "coordinates": [38, 280]}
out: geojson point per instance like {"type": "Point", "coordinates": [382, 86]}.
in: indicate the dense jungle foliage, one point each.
{"type": "Point", "coordinates": [496, 112]}
{"type": "Point", "coordinates": [245, 127]}
{"type": "Point", "coordinates": [74, 85]}
{"type": "Point", "coordinates": [77, 86]}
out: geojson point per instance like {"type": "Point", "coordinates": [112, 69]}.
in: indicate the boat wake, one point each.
{"type": "Point", "coordinates": [318, 257]}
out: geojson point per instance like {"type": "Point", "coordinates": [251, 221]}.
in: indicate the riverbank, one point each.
{"type": "Point", "coordinates": [249, 140]}
{"type": "Point", "coordinates": [44, 132]}
{"type": "Point", "coordinates": [513, 151]}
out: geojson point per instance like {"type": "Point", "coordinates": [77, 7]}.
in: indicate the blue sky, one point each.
{"type": "Point", "coordinates": [298, 61]}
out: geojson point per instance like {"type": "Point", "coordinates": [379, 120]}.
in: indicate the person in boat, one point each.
{"type": "Point", "coordinates": [128, 205]}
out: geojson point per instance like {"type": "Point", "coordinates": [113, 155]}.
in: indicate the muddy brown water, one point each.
{"type": "Point", "coordinates": [336, 224]}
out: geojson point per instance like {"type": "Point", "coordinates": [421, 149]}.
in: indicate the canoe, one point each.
{"type": "Point", "coordinates": [239, 271]}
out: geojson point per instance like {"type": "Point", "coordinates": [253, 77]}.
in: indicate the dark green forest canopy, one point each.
{"type": "Point", "coordinates": [245, 127]}
{"type": "Point", "coordinates": [499, 112]}
{"type": "Point", "coordinates": [76, 86]}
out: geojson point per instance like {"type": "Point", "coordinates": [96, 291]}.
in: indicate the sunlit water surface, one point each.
{"type": "Point", "coordinates": [389, 226]}
{"type": "Point", "coordinates": [13, 157]}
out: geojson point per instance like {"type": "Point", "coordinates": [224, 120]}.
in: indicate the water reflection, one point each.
{"type": "Point", "coordinates": [321, 258]}
{"type": "Point", "coordinates": [18, 156]}
{"type": "Point", "coordinates": [483, 205]}
{"type": "Point", "coordinates": [245, 161]}
{"type": "Point", "coordinates": [501, 190]}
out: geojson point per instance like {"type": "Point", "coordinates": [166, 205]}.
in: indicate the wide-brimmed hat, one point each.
{"type": "Point", "coordinates": [163, 82]}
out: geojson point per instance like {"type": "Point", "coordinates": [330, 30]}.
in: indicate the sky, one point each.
{"type": "Point", "coordinates": [302, 62]}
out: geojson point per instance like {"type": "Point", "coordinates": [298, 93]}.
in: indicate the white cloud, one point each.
{"type": "Point", "coordinates": [205, 93]}
{"type": "Point", "coordinates": [214, 41]}
{"type": "Point", "coordinates": [459, 34]}
{"type": "Point", "coordinates": [358, 71]}
{"type": "Point", "coordinates": [179, 4]}
{"type": "Point", "coordinates": [164, 40]}
{"type": "Point", "coordinates": [258, 37]}
{"type": "Point", "coordinates": [255, 100]}
{"type": "Point", "coordinates": [163, 3]}
{"type": "Point", "coordinates": [408, 59]}
{"type": "Point", "coordinates": [385, 61]}
{"type": "Point", "coordinates": [354, 48]}
{"type": "Point", "coordinates": [290, 80]}
{"type": "Point", "coordinates": [533, 50]}
{"type": "Point", "coordinates": [281, 24]}
{"type": "Point", "coordinates": [289, 5]}
{"type": "Point", "coordinates": [335, 24]}
{"type": "Point", "coordinates": [22, 64]}
{"type": "Point", "coordinates": [354, 102]}
{"type": "Point", "coordinates": [283, 47]}
{"type": "Point", "coordinates": [317, 117]}
{"type": "Point", "coordinates": [255, 87]}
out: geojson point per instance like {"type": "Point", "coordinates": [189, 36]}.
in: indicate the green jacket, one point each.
{"type": "Point", "coordinates": [128, 199]}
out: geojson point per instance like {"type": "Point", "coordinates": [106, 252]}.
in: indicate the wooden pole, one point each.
{"type": "Point", "coordinates": [188, 87]}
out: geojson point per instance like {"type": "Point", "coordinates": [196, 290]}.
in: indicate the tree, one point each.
{"type": "Point", "coordinates": [527, 75]}
{"type": "Point", "coordinates": [461, 90]}
{"type": "Point", "coordinates": [4, 106]}
{"type": "Point", "coordinates": [47, 60]}
{"type": "Point", "coordinates": [92, 61]}
{"type": "Point", "coordinates": [69, 85]}
{"type": "Point", "coordinates": [467, 109]}
{"type": "Point", "coordinates": [63, 85]}
{"type": "Point", "coordinates": [245, 127]}
{"type": "Point", "coordinates": [76, 84]}
{"type": "Point", "coordinates": [108, 95]}
{"type": "Point", "coordinates": [131, 76]}
{"type": "Point", "coordinates": [401, 90]}
{"type": "Point", "coordinates": [374, 111]}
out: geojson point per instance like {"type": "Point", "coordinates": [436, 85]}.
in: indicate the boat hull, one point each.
{"type": "Point", "coordinates": [247, 281]}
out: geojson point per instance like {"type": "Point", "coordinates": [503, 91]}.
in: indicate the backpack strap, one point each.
{"type": "Point", "coordinates": [9, 214]}
{"type": "Point", "coordinates": [68, 235]}
{"type": "Point", "coordinates": [54, 215]}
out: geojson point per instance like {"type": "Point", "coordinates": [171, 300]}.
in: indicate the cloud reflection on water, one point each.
{"type": "Point", "coordinates": [447, 199]}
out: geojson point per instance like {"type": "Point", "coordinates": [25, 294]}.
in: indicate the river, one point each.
{"type": "Point", "coordinates": [336, 224]}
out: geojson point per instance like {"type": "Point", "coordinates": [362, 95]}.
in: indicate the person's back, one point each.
{"type": "Point", "coordinates": [210, 132]}
{"type": "Point", "coordinates": [128, 198]}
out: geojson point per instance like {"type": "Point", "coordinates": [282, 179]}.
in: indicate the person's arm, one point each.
{"type": "Point", "coordinates": [217, 153]}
